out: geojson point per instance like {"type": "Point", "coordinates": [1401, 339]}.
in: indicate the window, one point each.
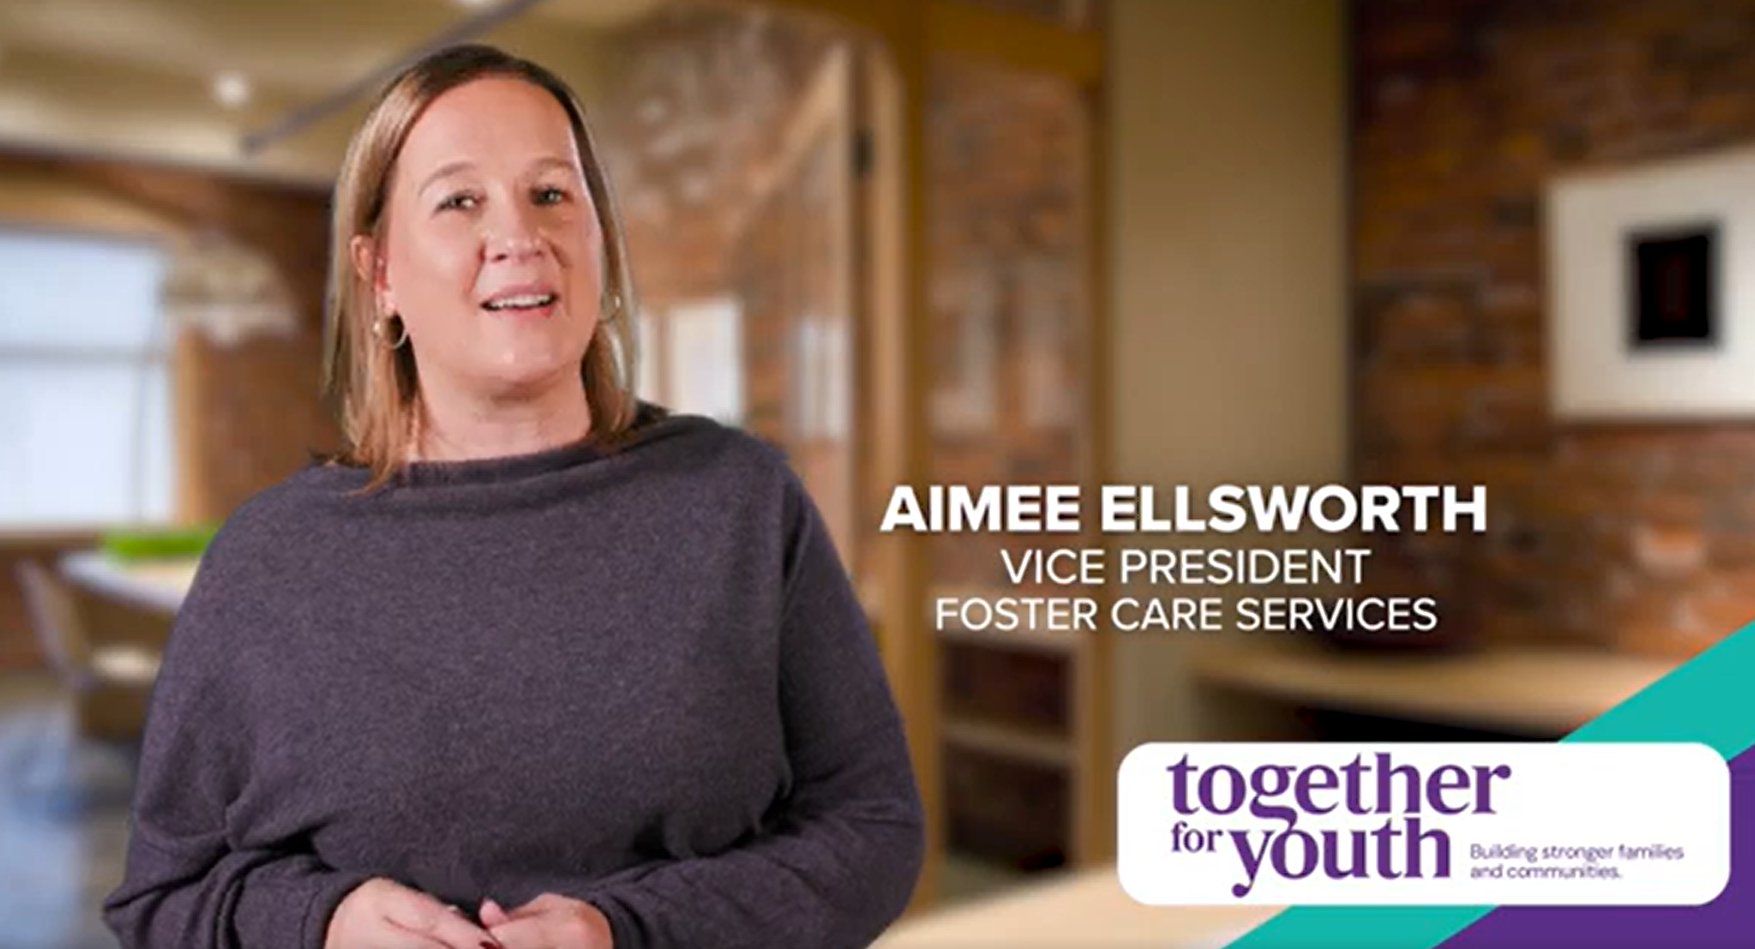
{"type": "Point", "coordinates": [693, 356]}
{"type": "Point", "coordinates": [820, 406]}
{"type": "Point", "coordinates": [85, 406]}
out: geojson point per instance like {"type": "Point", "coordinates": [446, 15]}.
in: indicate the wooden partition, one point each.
{"type": "Point", "coordinates": [908, 290]}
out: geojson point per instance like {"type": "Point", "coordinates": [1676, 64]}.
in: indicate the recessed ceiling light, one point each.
{"type": "Point", "coordinates": [231, 89]}
{"type": "Point", "coordinates": [475, 4]}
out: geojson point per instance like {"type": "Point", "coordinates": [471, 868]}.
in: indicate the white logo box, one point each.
{"type": "Point", "coordinates": [1572, 824]}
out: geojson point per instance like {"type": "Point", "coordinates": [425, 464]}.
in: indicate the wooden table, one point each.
{"type": "Point", "coordinates": [1083, 910]}
{"type": "Point", "coordinates": [125, 610]}
{"type": "Point", "coordinates": [155, 586]}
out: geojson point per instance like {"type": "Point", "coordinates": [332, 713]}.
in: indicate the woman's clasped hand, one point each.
{"type": "Point", "coordinates": [383, 914]}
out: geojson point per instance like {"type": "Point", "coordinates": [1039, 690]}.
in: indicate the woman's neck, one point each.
{"type": "Point", "coordinates": [460, 428]}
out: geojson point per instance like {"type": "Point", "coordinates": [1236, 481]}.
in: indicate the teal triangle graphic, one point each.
{"type": "Point", "coordinates": [1705, 699]}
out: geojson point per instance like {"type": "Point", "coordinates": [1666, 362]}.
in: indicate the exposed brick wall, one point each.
{"type": "Point", "coordinates": [765, 277]}
{"type": "Point", "coordinates": [1005, 183]}
{"type": "Point", "coordinates": [687, 121]}
{"type": "Point", "coordinates": [693, 124]}
{"type": "Point", "coordinates": [787, 260]}
{"type": "Point", "coordinates": [1637, 538]}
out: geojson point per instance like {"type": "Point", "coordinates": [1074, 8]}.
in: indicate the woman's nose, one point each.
{"type": "Point", "coordinates": [512, 235]}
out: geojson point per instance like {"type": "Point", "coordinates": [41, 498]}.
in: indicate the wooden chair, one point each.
{"type": "Point", "coordinates": [111, 682]}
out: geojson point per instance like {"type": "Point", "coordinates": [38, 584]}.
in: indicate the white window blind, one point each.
{"type": "Point", "coordinates": [85, 406]}
{"type": "Point", "coordinates": [703, 359]}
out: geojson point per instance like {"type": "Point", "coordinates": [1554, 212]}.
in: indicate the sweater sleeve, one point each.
{"type": "Point", "coordinates": [185, 885]}
{"type": "Point", "coordinates": [840, 862]}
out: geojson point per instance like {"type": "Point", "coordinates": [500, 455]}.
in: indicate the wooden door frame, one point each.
{"type": "Point", "coordinates": [895, 365]}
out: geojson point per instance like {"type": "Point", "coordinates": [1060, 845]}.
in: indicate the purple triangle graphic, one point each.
{"type": "Point", "coordinates": [1726, 923]}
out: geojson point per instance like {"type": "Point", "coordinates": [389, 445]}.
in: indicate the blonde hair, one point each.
{"type": "Point", "coordinates": [373, 387]}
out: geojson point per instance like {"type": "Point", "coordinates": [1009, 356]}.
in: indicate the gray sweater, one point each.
{"type": "Point", "coordinates": [637, 677]}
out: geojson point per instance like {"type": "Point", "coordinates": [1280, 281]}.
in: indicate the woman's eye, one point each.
{"type": "Point", "coordinates": [550, 195]}
{"type": "Point", "coordinates": [458, 202]}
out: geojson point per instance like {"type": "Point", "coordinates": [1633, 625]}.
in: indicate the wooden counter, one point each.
{"type": "Point", "coordinates": [1084, 909]}
{"type": "Point", "coordinates": [1537, 691]}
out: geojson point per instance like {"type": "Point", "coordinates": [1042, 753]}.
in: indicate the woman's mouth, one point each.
{"type": "Point", "coordinates": [521, 304]}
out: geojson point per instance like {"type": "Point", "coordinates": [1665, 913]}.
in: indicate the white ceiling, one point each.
{"type": "Point", "coordinates": [136, 77]}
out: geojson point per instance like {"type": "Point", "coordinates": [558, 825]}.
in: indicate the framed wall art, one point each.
{"type": "Point", "coordinates": [1651, 291]}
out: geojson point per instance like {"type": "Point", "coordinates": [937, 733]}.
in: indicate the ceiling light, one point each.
{"type": "Point", "coordinates": [231, 89]}
{"type": "Point", "coordinates": [475, 4]}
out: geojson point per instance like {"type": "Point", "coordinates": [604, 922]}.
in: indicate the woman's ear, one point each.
{"type": "Point", "coordinates": [370, 267]}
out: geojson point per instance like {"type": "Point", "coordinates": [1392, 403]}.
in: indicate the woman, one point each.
{"type": "Point", "coordinates": [532, 665]}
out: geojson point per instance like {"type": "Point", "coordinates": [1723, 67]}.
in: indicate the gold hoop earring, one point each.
{"type": "Point", "coordinates": [381, 329]}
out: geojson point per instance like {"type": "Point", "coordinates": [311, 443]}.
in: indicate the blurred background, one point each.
{"type": "Point", "coordinates": [971, 241]}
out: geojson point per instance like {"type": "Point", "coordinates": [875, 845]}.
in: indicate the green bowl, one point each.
{"type": "Point", "coordinates": [173, 544]}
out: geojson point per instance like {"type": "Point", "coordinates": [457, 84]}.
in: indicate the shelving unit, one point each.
{"type": "Point", "coordinates": [1031, 641]}
{"type": "Point", "coordinates": [1046, 749]}
{"type": "Point", "coordinates": [1033, 667]}
{"type": "Point", "coordinates": [1014, 760]}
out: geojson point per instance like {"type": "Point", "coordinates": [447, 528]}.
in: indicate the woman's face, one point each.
{"type": "Point", "coordinates": [492, 250]}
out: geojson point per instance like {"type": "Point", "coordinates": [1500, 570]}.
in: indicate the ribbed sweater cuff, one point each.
{"type": "Point", "coordinates": [291, 912]}
{"type": "Point", "coordinates": [624, 932]}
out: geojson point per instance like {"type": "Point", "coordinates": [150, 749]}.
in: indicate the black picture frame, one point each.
{"type": "Point", "coordinates": [1675, 288]}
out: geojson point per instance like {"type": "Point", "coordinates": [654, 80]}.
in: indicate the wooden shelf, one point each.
{"type": "Point", "coordinates": [1528, 690]}
{"type": "Point", "coordinates": [1026, 639]}
{"type": "Point", "coordinates": [1010, 741]}
{"type": "Point", "coordinates": [969, 877]}
{"type": "Point", "coordinates": [1023, 640]}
